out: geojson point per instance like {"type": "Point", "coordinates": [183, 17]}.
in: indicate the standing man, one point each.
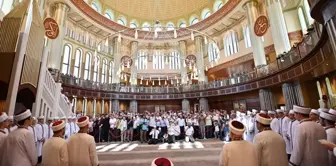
{"type": "Point", "coordinates": [49, 124]}
{"type": "Point", "coordinates": [327, 120]}
{"type": "Point", "coordinates": [270, 146]}
{"type": "Point", "coordinates": [291, 129]}
{"type": "Point", "coordinates": [307, 151]}
{"type": "Point", "coordinates": [55, 150]}
{"type": "Point", "coordinates": [41, 135]}
{"type": "Point", "coordinates": [181, 123]}
{"type": "Point", "coordinates": [281, 119]}
{"type": "Point", "coordinates": [82, 146]}
{"type": "Point", "coordinates": [18, 149]}
{"type": "Point", "coordinates": [274, 123]}
{"type": "Point", "coordinates": [32, 129]}
{"type": "Point", "coordinates": [201, 122]}
{"type": "Point", "coordinates": [3, 125]}
{"type": "Point", "coordinates": [249, 127]}
{"type": "Point", "coordinates": [314, 115]}
{"type": "Point", "coordinates": [231, 152]}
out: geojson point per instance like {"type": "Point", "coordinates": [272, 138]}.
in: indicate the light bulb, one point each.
{"type": "Point", "coordinates": [192, 36]}
{"type": "Point", "coordinates": [177, 81]}
{"type": "Point", "coordinates": [136, 34]}
{"type": "Point", "coordinates": [175, 34]}
{"type": "Point", "coordinates": [171, 82]}
{"type": "Point", "coordinates": [205, 40]}
{"type": "Point", "coordinates": [119, 37]}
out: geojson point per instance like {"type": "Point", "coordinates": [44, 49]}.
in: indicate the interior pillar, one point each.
{"type": "Point", "coordinates": [293, 94]}
{"type": "Point", "coordinates": [200, 60]}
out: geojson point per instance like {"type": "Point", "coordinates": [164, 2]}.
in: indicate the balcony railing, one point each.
{"type": "Point", "coordinates": [282, 62]}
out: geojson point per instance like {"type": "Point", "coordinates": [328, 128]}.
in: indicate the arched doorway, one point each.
{"type": "Point", "coordinates": [25, 98]}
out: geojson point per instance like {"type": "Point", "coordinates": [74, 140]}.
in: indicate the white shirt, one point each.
{"type": "Point", "coordinates": [123, 125]}
{"type": "Point", "coordinates": [181, 122]}
{"type": "Point", "coordinates": [55, 152]}
{"type": "Point", "coordinates": [113, 123]}
{"type": "Point", "coordinates": [154, 133]}
{"type": "Point", "coordinates": [195, 122]}
{"type": "Point", "coordinates": [217, 128]}
{"type": "Point", "coordinates": [189, 130]}
{"type": "Point", "coordinates": [208, 121]}
{"type": "Point", "coordinates": [152, 121]}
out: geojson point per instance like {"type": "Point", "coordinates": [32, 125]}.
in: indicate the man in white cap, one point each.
{"type": "Point", "coordinates": [162, 162]}
{"type": "Point", "coordinates": [82, 146]}
{"type": "Point", "coordinates": [32, 129]}
{"type": "Point", "coordinates": [18, 149]}
{"type": "Point", "coordinates": [274, 123]}
{"type": "Point", "coordinates": [55, 150]}
{"type": "Point", "coordinates": [231, 152]}
{"type": "Point", "coordinates": [49, 124]}
{"type": "Point", "coordinates": [42, 135]}
{"type": "Point", "coordinates": [254, 129]}
{"type": "Point", "coordinates": [249, 127]}
{"type": "Point", "coordinates": [270, 146]}
{"type": "Point", "coordinates": [327, 120]}
{"type": "Point", "coordinates": [3, 125]}
{"type": "Point", "coordinates": [291, 130]}
{"type": "Point", "coordinates": [307, 151]}
{"type": "Point", "coordinates": [12, 126]}
{"type": "Point", "coordinates": [314, 115]}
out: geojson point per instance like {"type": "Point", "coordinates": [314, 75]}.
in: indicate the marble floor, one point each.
{"type": "Point", "coordinates": [200, 153]}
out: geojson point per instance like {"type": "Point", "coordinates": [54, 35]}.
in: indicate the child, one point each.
{"type": "Point", "coordinates": [216, 130]}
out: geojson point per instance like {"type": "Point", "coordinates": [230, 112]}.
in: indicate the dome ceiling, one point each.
{"type": "Point", "coordinates": [157, 9]}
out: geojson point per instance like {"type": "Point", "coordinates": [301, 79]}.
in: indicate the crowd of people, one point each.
{"type": "Point", "coordinates": [266, 138]}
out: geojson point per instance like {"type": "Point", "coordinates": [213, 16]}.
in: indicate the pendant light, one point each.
{"type": "Point", "coordinates": [119, 37]}
{"type": "Point", "coordinates": [175, 34]}
{"type": "Point", "coordinates": [205, 40]}
{"type": "Point", "coordinates": [136, 34]}
{"type": "Point", "coordinates": [192, 35]}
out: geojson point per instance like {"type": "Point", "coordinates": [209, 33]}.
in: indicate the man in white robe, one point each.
{"type": "Point", "coordinates": [82, 146]}
{"type": "Point", "coordinates": [231, 154]}
{"type": "Point", "coordinates": [249, 127]}
{"type": "Point", "coordinates": [32, 129]}
{"type": "Point", "coordinates": [49, 124]}
{"type": "Point", "coordinates": [41, 135]}
{"type": "Point", "coordinates": [290, 132]}
{"type": "Point", "coordinates": [3, 125]}
{"type": "Point", "coordinates": [270, 146]}
{"type": "Point", "coordinates": [254, 129]}
{"type": "Point", "coordinates": [18, 149]}
{"type": "Point", "coordinates": [55, 150]}
{"type": "Point", "coordinates": [76, 128]}
{"type": "Point", "coordinates": [307, 151]}
{"type": "Point", "coordinates": [314, 115]}
{"type": "Point", "coordinates": [327, 120]}
{"type": "Point", "coordinates": [274, 123]}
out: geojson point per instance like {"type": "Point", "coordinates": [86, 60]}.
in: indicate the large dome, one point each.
{"type": "Point", "coordinates": [157, 9]}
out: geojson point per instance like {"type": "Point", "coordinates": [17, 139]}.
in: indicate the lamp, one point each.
{"type": "Point", "coordinates": [192, 35]}
{"type": "Point", "coordinates": [136, 34]}
{"type": "Point", "coordinates": [119, 37]}
{"type": "Point", "coordinates": [175, 34]}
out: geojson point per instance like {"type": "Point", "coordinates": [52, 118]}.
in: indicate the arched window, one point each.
{"type": "Point", "coordinates": [193, 20]}
{"type": "Point", "coordinates": [87, 66]}
{"type": "Point", "coordinates": [182, 24]}
{"type": "Point", "coordinates": [109, 14]}
{"type": "Point", "coordinates": [66, 59]}
{"type": "Point", "coordinates": [111, 71]}
{"type": "Point", "coordinates": [213, 52]}
{"type": "Point", "coordinates": [142, 60]}
{"type": "Point", "coordinates": [78, 62]}
{"type": "Point", "coordinates": [134, 24]}
{"type": "Point", "coordinates": [306, 6]}
{"type": "Point", "coordinates": [230, 43]}
{"type": "Point", "coordinates": [302, 19]}
{"type": "Point", "coordinates": [96, 69]}
{"type": "Point", "coordinates": [6, 6]}
{"type": "Point", "coordinates": [96, 6]}
{"type": "Point", "coordinates": [174, 60]}
{"type": "Point", "coordinates": [170, 27]}
{"type": "Point", "coordinates": [217, 5]}
{"type": "Point", "coordinates": [146, 26]}
{"type": "Point", "coordinates": [158, 60]}
{"type": "Point", "coordinates": [247, 36]}
{"type": "Point", "coordinates": [104, 70]}
{"type": "Point", "coordinates": [122, 20]}
{"type": "Point", "coordinates": [206, 13]}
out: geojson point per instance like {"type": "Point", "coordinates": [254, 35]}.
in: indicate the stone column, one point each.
{"type": "Point", "coordinates": [257, 43]}
{"type": "Point", "coordinates": [186, 105]}
{"type": "Point", "coordinates": [110, 106]}
{"type": "Point", "coordinates": [84, 106]}
{"type": "Point", "coordinates": [117, 57]}
{"type": "Point", "coordinates": [102, 107]}
{"type": "Point", "coordinates": [204, 106]}
{"type": "Point", "coordinates": [266, 99]}
{"type": "Point", "coordinates": [183, 55]}
{"type": "Point", "coordinates": [59, 13]}
{"type": "Point", "coordinates": [199, 44]}
{"type": "Point", "coordinates": [293, 94]}
{"type": "Point", "coordinates": [94, 107]}
{"type": "Point", "coordinates": [134, 106]}
{"type": "Point", "coordinates": [134, 51]}
{"type": "Point", "coordinates": [115, 106]}
{"type": "Point", "coordinates": [278, 26]}
{"type": "Point", "coordinates": [75, 104]}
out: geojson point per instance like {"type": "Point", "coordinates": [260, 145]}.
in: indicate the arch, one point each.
{"type": "Point", "coordinates": [217, 5]}
{"type": "Point", "coordinates": [146, 26]}
{"type": "Point", "coordinates": [206, 13]}
{"type": "Point", "coordinates": [87, 65]}
{"type": "Point", "coordinates": [67, 51]}
{"type": "Point", "coordinates": [122, 20]}
{"type": "Point", "coordinates": [193, 19]}
{"type": "Point", "coordinates": [97, 6]}
{"type": "Point", "coordinates": [26, 96]}
{"type": "Point", "coordinates": [170, 26]}
{"type": "Point", "coordinates": [182, 24]}
{"type": "Point", "coordinates": [134, 23]}
{"type": "Point", "coordinates": [78, 62]}
{"type": "Point", "coordinates": [109, 14]}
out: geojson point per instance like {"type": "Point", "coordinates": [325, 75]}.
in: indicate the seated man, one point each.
{"type": "Point", "coordinates": [155, 136]}
{"type": "Point", "coordinates": [189, 131]}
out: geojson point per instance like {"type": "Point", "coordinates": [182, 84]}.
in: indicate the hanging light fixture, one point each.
{"type": "Point", "coordinates": [155, 33]}
{"type": "Point", "coordinates": [192, 35]}
{"type": "Point", "coordinates": [171, 82]}
{"type": "Point", "coordinates": [119, 37]}
{"type": "Point", "coordinates": [205, 40]}
{"type": "Point", "coordinates": [122, 67]}
{"type": "Point", "coordinates": [175, 34]}
{"type": "Point", "coordinates": [136, 34]}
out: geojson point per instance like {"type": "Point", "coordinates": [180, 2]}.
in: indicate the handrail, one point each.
{"type": "Point", "coordinates": [297, 53]}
